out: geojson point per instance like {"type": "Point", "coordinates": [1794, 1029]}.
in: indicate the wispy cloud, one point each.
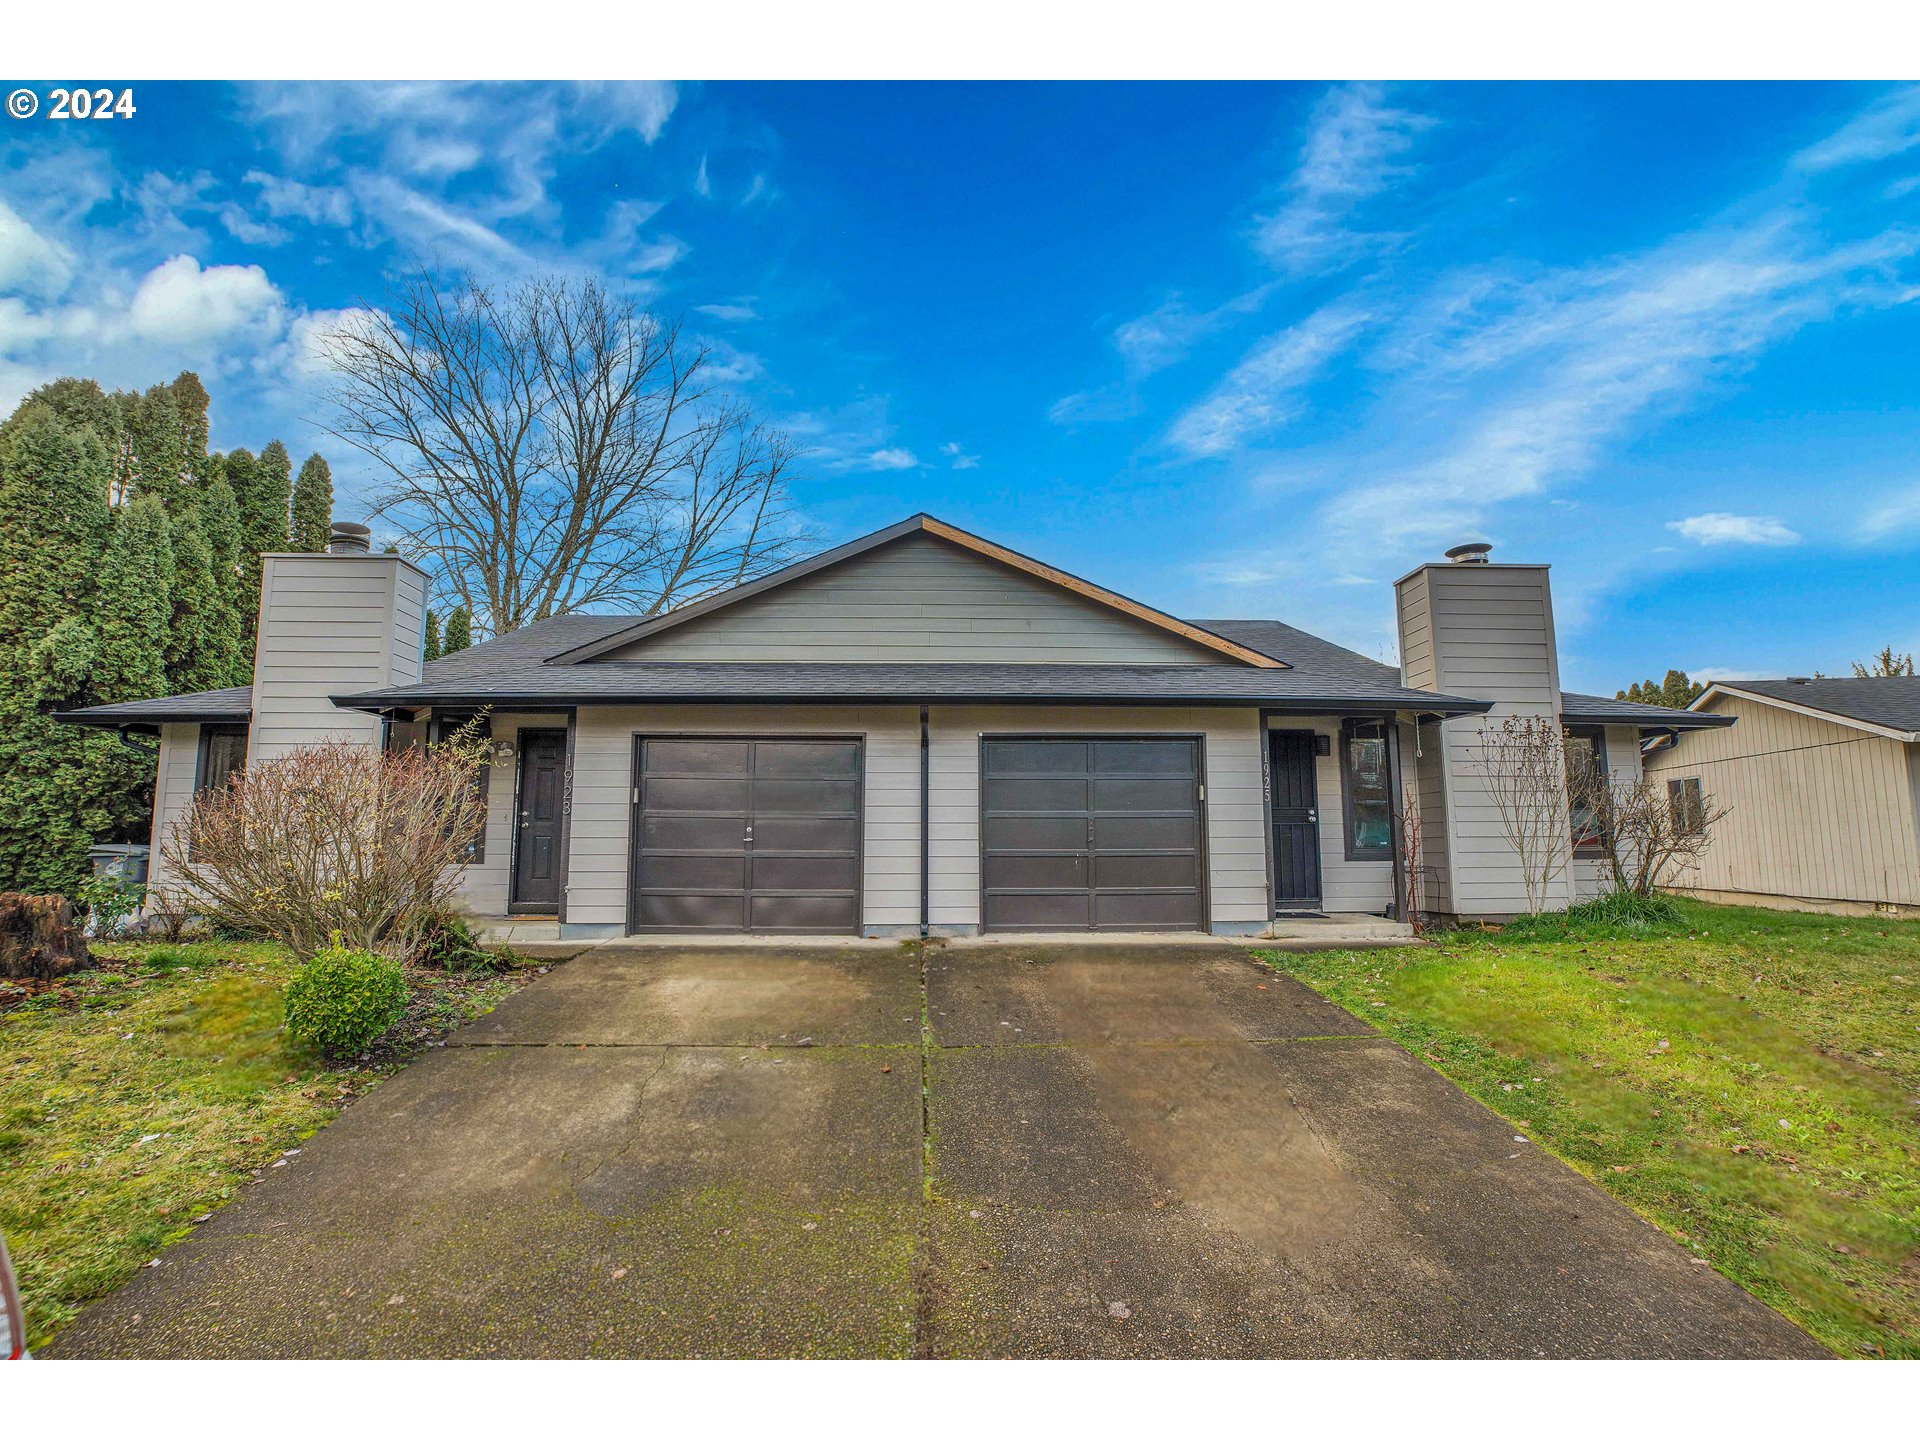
{"type": "Point", "coordinates": [732, 311]}
{"type": "Point", "coordinates": [1356, 147]}
{"type": "Point", "coordinates": [1719, 527]}
{"type": "Point", "coordinates": [1165, 335]}
{"type": "Point", "coordinates": [1898, 514]}
{"type": "Point", "coordinates": [892, 458]}
{"type": "Point", "coordinates": [958, 458]}
{"type": "Point", "coordinates": [1890, 126]}
{"type": "Point", "coordinates": [1268, 387]}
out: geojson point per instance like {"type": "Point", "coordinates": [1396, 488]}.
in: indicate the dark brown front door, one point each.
{"type": "Point", "coordinates": [744, 834]}
{"type": "Point", "coordinates": [1296, 821]}
{"type": "Point", "coordinates": [1091, 833]}
{"type": "Point", "coordinates": [537, 876]}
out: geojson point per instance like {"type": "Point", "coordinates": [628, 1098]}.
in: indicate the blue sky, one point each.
{"type": "Point", "coordinates": [1238, 350]}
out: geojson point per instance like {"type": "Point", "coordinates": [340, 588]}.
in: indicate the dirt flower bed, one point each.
{"type": "Point", "coordinates": [138, 1097]}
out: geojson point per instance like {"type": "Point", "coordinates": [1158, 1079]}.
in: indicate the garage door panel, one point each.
{"type": "Point", "coordinates": [1035, 872]}
{"type": "Point", "coordinates": [767, 836]}
{"type": "Point", "coordinates": [705, 758]}
{"type": "Point", "coordinates": [1091, 832]}
{"type": "Point", "coordinates": [1036, 793]}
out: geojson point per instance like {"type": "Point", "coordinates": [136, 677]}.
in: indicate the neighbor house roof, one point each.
{"type": "Point", "coordinates": [641, 628]}
{"type": "Point", "coordinates": [1578, 709]}
{"type": "Point", "coordinates": [1885, 705]}
{"type": "Point", "coordinates": [232, 704]}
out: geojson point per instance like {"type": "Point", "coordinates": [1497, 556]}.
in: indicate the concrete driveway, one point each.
{"type": "Point", "coordinates": [992, 1151]}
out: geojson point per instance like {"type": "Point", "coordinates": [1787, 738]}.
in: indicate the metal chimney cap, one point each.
{"type": "Point", "coordinates": [1473, 553]}
{"type": "Point", "coordinates": [349, 538]}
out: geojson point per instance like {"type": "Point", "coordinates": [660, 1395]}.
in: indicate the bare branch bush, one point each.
{"type": "Point", "coordinates": [1413, 858]}
{"type": "Point", "coordinates": [1646, 836]}
{"type": "Point", "coordinates": [551, 447]}
{"type": "Point", "coordinates": [334, 837]}
{"type": "Point", "coordinates": [1523, 760]}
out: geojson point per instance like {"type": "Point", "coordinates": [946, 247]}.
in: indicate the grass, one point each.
{"type": "Point", "coordinates": [137, 1098]}
{"type": "Point", "coordinates": [1748, 1080]}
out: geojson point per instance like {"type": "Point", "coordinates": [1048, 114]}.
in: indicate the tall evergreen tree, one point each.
{"type": "Point", "coordinates": [134, 607]}
{"type": "Point", "coordinates": [154, 434]}
{"type": "Point", "coordinates": [312, 507]}
{"type": "Point", "coordinates": [267, 531]}
{"type": "Point", "coordinates": [432, 650]}
{"type": "Point", "coordinates": [191, 402]}
{"type": "Point", "coordinates": [228, 626]}
{"type": "Point", "coordinates": [198, 652]}
{"type": "Point", "coordinates": [1676, 692]}
{"type": "Point", "coordinates": [1888, 664]}
{"type": "Point", "coordinates": [459, 631]}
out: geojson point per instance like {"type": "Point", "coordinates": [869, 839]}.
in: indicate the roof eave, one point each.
{"type": "Point", "coordinates": [376, 702]}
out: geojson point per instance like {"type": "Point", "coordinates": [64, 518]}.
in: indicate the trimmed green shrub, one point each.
{"type": "Point", "coordinates": [444, 941]}
{"type": "Point", "coordinates": [1619, 914]}
{"type": "Point", "coordinates": [342, 1000]}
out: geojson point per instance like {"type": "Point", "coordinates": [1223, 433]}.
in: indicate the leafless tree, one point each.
{"type": "Point", "coordinates": [1647, 833]}
{"type": "Point", "coordinates": [552, 447]}
{"type": "Point", "coordinates": [1524, 762]}
{"type": "Point", "coordinates": [333, 837]}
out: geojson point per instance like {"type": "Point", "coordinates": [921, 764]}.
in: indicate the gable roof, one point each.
{"type": "Point", "coordinates": [636, 631]}
{"type": "Point", "coordinates": [234, 704]}
{"type": "Point", "coordinates": [1881, 705]}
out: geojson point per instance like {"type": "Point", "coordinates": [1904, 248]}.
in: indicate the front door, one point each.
{"type": "Point", "coordinates": [1296, 821]}
{"type": "Point", "coordinates": [537, 875]}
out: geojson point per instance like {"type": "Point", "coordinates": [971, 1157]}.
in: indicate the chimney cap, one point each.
{"type": "Point", "coordinates": [1473, 553]}
{"type": "Point", "coordinates": [347, 537]}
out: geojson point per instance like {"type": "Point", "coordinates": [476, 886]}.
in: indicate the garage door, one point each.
{"type": "Point", "coordinates": [746, 835]}
{"type": "Point", "coordinates": [1086, 833]}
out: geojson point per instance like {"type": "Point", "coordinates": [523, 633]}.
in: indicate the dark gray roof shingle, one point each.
{"type": "Point", "coordinates": [1577, 709]}
{"type": "Point", "coordinates": [1890, 701]}
{"type": "Point", "coordinates": [235, 703]}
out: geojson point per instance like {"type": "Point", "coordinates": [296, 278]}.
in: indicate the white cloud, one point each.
{"type": "Point", "coordinates": [892, 458]}
{"type": "Point", "coordinates": [432, 227]}
{"type": "Point", "coordinates": [286, 199]}
{"type": "Point", "coordinates": [1356, 143]}
{"type": "Point", "coordinates": [1166, 334]}
{"type": "Point", "coordinates": [248, 231]}
{"type": "Point", "coordinates": [702, 183]}
{"type": "Point", "coordinates": [1718, 527]}
{"type": "Point", "coordinates": [1091, 407]}
{"type": "Point", "coordinates": [1890, 126]}
{"type": "Point", "coordinates": [179, 303]}
{"type": "Point", "coordinates": [30, 263]}
{"type": "Point", "coordinates": [1267, 388]}
{"type": "Point", "coordinates": [732, 311]}
{"type": "Point", "coordinates": [958, 458]}
{"type": "Point", "coordinates": [310, 331]}
{"type": "Point", "coordinates": [1895, 515]}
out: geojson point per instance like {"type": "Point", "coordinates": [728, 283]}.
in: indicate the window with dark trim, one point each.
{"type": "Point", "coordinates": [445, 723]}
{"type": "Point", "coordinates": [1586, 755]}
{"type": "Point", "coordinates": [1365, 791]}
{"type": "Point", "coordinates": [1688, 806]}
{"type": "Point", "coordinates": [222, 754]}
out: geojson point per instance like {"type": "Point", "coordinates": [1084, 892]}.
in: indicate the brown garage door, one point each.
{"type": "Point", "coordinates": [1091, 833]}
{"type": "Point", "coordinates": [746, 835]}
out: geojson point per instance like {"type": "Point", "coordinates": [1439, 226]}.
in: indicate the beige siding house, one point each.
{"type": "Point", "coordinates": [1821, 779]}
{"type": "Point", "coordinates": [923, 732]}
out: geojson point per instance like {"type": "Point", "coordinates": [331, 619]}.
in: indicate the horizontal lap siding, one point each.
{"type": "Point", "coordinates": [1592, 875]}
{"type": "Point", "coordinates": [921, 599]}
{"type": "Point", "coordinates": [173, 790]}
{"type": "Point", "coordinates": [603, 783]}
{"type": "Point", "coordinates": [1363, 887]}
{"type": "Point", "coordinates": [1236, 810]}
{"type": "Point", "coordinates": [1820, 811]}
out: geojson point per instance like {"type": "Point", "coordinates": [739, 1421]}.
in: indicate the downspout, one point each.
{"type": "Point", "coordinates": [926, 900]}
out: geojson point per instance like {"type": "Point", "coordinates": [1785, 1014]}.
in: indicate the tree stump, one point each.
{"type": "Point", "coordinates": [38, 939]}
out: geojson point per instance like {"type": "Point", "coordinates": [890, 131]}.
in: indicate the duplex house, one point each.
{"type": "Point", "coordinates": [1821, 784]}
{"type": "Point", "coordinates": [924, 732]}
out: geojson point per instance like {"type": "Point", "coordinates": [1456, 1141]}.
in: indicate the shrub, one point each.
{"type": "Point", "coordinates": [444, 941]}
{"type": "Point", "coordinates": [1619, 914]}
{"type": "Point", "coordinates": [334, 837]}
{"type": "Point", "coordinates": [342, 1000]}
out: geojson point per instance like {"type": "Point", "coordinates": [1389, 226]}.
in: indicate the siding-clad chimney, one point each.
{"type": "Point", "coordinates": [1471, 627]}
{"type": "Point", "coordinates": [329, 625]}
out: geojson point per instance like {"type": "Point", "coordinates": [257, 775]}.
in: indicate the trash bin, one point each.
{"type": "Point", "coordinates": [125, 863]}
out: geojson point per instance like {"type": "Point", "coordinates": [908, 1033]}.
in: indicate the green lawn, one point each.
{"type": "Point", "coordinates": [139, 1096]}
{"type": "Point", "coordinates": [1751, 1085]}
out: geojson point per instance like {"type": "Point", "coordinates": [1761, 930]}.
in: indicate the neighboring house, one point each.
{"type": "Point", "coordinates": [1821, 779]}
{"type": "Point", "coordinates": [924, 732]}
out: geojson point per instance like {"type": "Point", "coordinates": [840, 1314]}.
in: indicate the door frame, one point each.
{"type": "Point", "coordinates": [636, 805]}
{"type": "Point", "coordinates": [1267, 732]}
{"type": "Point", "coordinates": [515, 905]}
{"type": "Point", "coordinates": [1205, 859]}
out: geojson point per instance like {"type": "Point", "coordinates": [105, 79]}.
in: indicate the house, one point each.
{"type": "Point", "coordinates": [1821, 782]}
{"type": "Point", "coordinates": [924, 732]}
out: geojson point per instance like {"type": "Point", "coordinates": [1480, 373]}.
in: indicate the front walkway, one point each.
{"type": "Point", "coordinates": [983, 1151]}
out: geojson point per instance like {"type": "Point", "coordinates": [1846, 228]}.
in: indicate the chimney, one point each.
{"type": "Point", "coordinates": [347, 538]}
{"type": "Point", "coordinates": [1472, 627]}
{"type": "Point", "coordinates": [332, 624]}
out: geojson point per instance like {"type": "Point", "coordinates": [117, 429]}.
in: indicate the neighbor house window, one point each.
{"type": "Point", "coordinates": [1586, 756]}
{"type": "Point", "coordinates": [1365, 790]}
{"type": "Point", "coordinates": [1689, 809]}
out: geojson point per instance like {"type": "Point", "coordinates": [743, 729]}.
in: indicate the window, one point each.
{"type": "Point", "coordinates": [1689, 809]}
{"type": "Point", "coordinates": [445, 723]}
{"type": "Point", "coordinates": [1365, 788]}
{"type": "Point", "coordinates": [223, 752]}
{"type": "Point", "coordinates": [1586, 756]}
